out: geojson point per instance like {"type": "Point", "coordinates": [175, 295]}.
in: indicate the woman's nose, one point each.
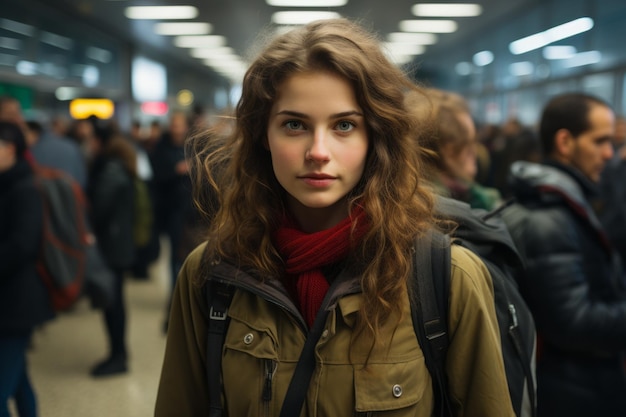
{"type": "Point", "coordinates": [318, 149]}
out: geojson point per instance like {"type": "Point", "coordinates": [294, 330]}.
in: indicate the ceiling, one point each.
{"type": "Point", "coordinates": [241, 21]}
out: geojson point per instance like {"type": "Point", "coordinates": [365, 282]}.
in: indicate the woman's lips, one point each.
{"type": "Point", "coordinates": [318, 180]}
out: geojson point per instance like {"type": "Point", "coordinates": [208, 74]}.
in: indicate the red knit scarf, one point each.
{"type": "Point", "coordinates": [306, 253]}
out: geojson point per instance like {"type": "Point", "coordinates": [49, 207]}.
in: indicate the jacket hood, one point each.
{"type": "Point", "coordinates": [554, 184]}
{"type": "Point", "coordinates": [546, 182]}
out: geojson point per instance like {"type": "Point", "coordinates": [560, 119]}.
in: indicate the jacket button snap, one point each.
{"type": "Point", "coordinates": [247, 339]}
{"type": "Point", "coordinates": [325, 334]}
{"type": "Point", "coordinates": [397, 391]}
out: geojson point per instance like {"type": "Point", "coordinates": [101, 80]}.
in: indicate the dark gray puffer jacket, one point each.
{"type": "Point", "coordinates": [574, 286]}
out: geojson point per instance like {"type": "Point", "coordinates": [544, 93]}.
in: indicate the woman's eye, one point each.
{"type": "Point", "coordinates": [345, 126]}
{"type": "Point", "coordinates": [293, 125]}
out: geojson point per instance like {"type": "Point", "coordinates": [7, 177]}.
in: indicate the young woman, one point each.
{"type": "Point", "coordinates": [320, 204]}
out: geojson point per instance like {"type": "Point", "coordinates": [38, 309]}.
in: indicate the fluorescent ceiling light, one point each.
{"type": "Point", "coordinates": [557, 33]}
{"type": "Point", "coordinates": [520, 69]}
{"type": "Point", "coordinates": [396, 58]}
{"type": "Point", "coordinates": [301, 18]}
{"type": "Point", "coordinates": [225, 61]}
{"type": "Point", "coordinates": [10, 43]}
{"type": "Point", "coordinates": [66, 93]}
{"type": "Point", "coordinates": [483, 58]}
{"type": "Point", "coordinates": [26, 67]}
{"type": "Point", "coordinates": [227, 70]}
{"type": "Point", "coordinates": [305, 3]}
{"type": "Point", "coordinates": [208, 41]}
{"type": "Point", "coordinates": [401, 59]}
{"type": "Point", "coordinates": [183, 28]}
{"type": "Point", "coordinates": [405, 48]}
{"type": "Point", "coordinates": [281, 30]}
{"type": "Point", "coordinates": [17, 27]}
{"type": "Point", "coordinates": [416, 38]}
{"type": "Point", "coordinates": [212, 52]}
{"type": "Point", "coordinates": [58, 41]}
{"type": "Point", "coordinates": [428, 26]}
{"type": "Point", "coordinates": [161, 12]}
{"type": "Point", "coordinates": [583, 58]}
{"type": "Point", "coordinates": [559, 52]}
{"type": "Point", "coordinates": [447, 10]}
{"type": "Point", "coordinates": [99, 54]}
{"type": "Point", "coordinates": [225, 64]}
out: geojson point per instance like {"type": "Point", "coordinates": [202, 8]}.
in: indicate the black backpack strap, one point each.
{"type": "Point", "coordinates": [301, 378]}
{"type": "Point", "coordinates": [429, 289]}
{"type": "Point", "coordinates": [218, 298]}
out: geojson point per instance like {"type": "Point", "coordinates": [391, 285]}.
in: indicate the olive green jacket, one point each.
{"type": "Point", "coordinates": [266, 334]}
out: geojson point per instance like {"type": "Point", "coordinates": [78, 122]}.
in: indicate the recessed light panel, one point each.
{"type": "Point", "coordinates": [428, 26]}
{"type": "Point", "coordinates": [446, 9]}
{"type": "Point", "coordinates": [161, 12]}
{"type": "Point", "coordinates": [182, 28]}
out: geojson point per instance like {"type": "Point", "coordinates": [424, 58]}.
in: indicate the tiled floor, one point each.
{"type": "Point", "coordinates": [64, 351]}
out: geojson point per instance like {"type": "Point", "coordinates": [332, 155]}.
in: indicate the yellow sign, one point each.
{"type": "Point", "coordinates": [82, 108]}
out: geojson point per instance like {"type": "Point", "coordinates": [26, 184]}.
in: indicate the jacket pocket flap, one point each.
{"type": "Point", "coordinates": [255, 342]}
{"type": "Point", "coordinates": [390, 386]}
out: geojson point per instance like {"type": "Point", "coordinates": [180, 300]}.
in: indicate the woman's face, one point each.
{"type": "Point", "coordinates": [461, 164]}
{"type": "Point", "coordinates": [318, 143]}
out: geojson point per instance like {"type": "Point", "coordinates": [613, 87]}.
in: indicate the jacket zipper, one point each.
{"type": "Point", "coordinates": [270, 370]}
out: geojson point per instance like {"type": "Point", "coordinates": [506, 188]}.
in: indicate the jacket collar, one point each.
{"type": "Point", "coordinates": [273, 291]}
{"type": "Point", "coordinates": [588, 187]}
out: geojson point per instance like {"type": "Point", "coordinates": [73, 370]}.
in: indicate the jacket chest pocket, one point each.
{"type": "Point", "coordinates": [393, 389]}
{"type": "Point", "coordinates": [249, 363]}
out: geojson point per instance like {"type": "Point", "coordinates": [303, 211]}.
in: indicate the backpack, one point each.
{"type": "Point", "coordinates": [62, 258]}
{"type": "Point", "coordinates": [485, 235]}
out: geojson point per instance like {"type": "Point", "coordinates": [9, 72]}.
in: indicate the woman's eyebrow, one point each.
{"type": "Point", "coordinates": [332, 116]}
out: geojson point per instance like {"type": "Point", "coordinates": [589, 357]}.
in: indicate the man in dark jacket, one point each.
{"type": "Point", "coordinates": [573, 282]}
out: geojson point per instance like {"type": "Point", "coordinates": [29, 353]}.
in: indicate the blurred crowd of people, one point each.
{"type": "Point", "coordinates": [464, 159]}
{"type": "Point", "coordinates": [138, 190]}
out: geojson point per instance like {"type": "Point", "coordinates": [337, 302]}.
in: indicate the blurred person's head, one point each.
{"type": "Point", "coordinates": [453, 141]}
{"type": "Point", "coordinates": [110, 143]}
{"type": "Point", "coordinates": [512, 127]}
{"type": "Point", "coordinates": [60, 125]}
{"type": "Point", "coordinates": [81, 130]}
{"type": "Point", "coordinates": [11, 110]}
{"type": "Point", "coordinates": [12, 145]}
{"type": "Point", "coordinates": [576, 129]}
{"type": "Point", "coordinates": [135, 130]}
{"type": "Point", "coordinates": [36, 130]}
{"type": "Point", "coordinates": [178, 128]}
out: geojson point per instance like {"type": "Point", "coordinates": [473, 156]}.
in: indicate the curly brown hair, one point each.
{"type": "Point", "coordinates": [251, 202]}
